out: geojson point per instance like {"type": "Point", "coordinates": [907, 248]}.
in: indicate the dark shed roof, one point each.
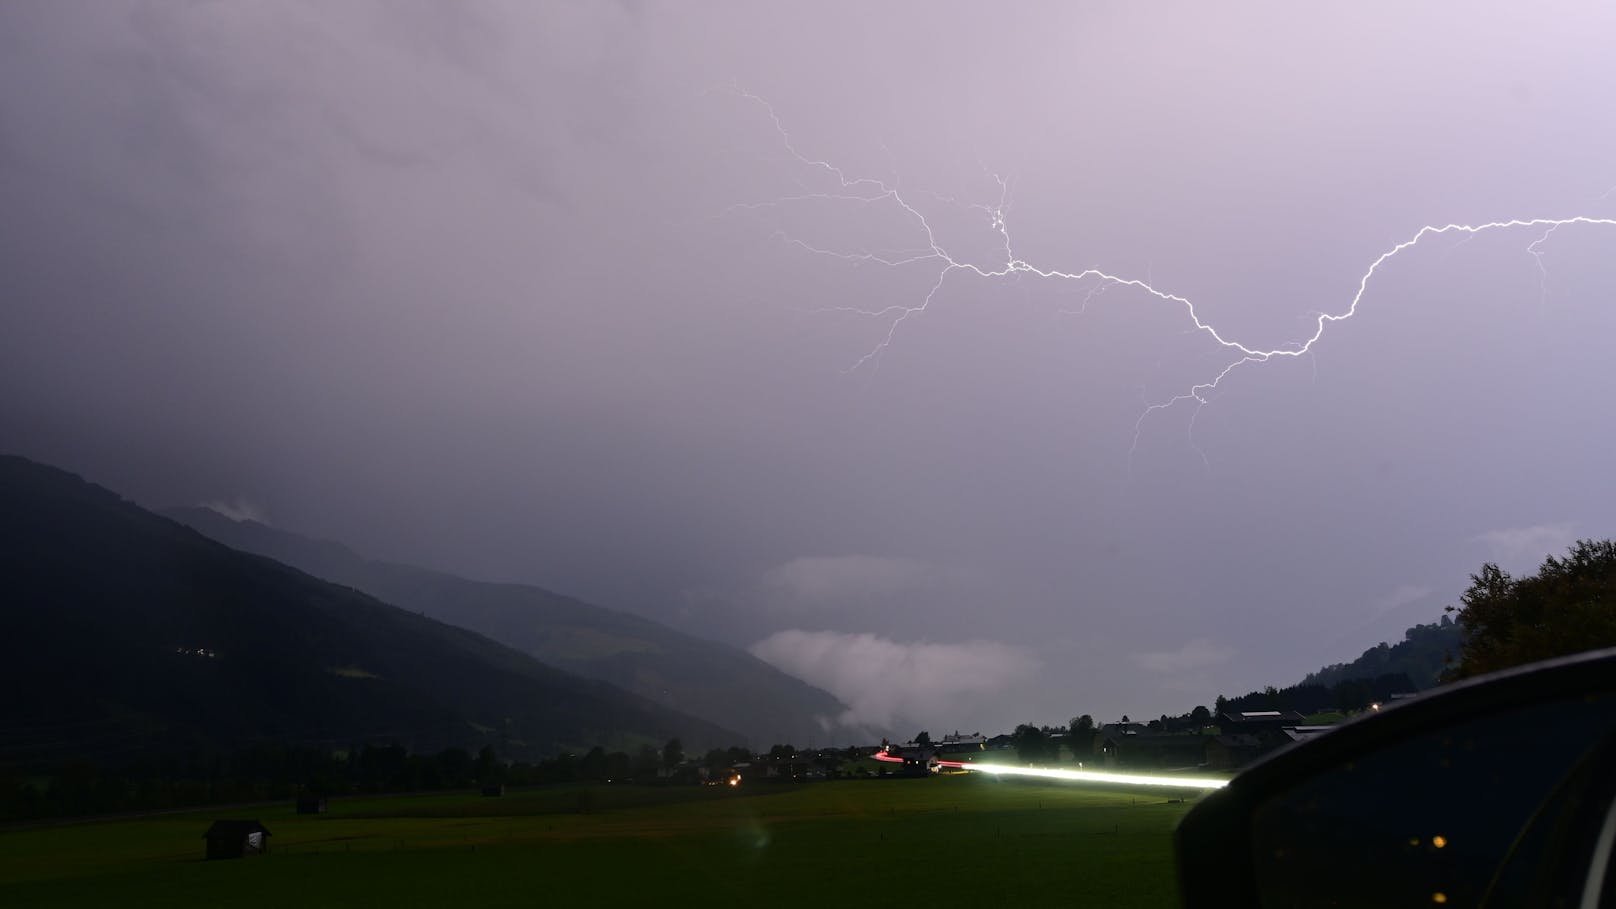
{"type": "Point", "coordinates": [233, 829]}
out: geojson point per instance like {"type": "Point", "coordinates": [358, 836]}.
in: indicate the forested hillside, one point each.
{"type": "Point", "coordinates": [127, 633]}
{"type": "Point", "coordinates": [703, 678]}
{"type": "Point", "coordinates": [1422, 654]}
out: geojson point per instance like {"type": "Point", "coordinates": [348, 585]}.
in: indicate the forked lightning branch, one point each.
{"type": "Point", "coordinates": [926, 250]}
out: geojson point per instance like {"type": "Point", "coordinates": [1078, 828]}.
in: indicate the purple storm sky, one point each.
{"type": "Point", "coordinates": [527, 291]}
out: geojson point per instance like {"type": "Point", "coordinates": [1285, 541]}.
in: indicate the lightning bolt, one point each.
{"type": "Point", "coordinates": [927, 248]}
{"type": "Point", "coordinates": [1537, 256]}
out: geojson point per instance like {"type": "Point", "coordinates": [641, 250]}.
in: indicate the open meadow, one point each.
{"type": "Point", "coordinates": [833, 843]}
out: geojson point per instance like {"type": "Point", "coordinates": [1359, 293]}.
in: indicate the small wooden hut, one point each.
{"type": "Point", "coordinates": [237, 839]}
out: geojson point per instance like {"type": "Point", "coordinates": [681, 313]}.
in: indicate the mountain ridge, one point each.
{"type": "Point", "coordinates": [695, 676]}
{"type": "Point", "coordinates": [131, 633]}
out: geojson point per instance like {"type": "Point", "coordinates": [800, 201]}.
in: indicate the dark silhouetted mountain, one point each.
{"type": "Point", "coordinates": [126, 633]}
{"type": "Point", "coordinates": [702, 678]}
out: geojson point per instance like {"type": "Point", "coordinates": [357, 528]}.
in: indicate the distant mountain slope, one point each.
{"type": "Point", "coordinates": [1383, 671]}
{"type": "Point", "coordinates": [127, 633]}
{"type": "Point", "coordinates": [703, 678]}
{"type": "Point", "coordinates": [1421, 655]}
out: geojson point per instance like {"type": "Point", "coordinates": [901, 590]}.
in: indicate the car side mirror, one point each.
{"type": "Point", "coordinates": [1495, 791]}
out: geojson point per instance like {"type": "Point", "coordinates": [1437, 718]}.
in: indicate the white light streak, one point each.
{"type": "Point", "coordinates": [928, 249]}
{"type": "Point", "coordinates": [1093, 776]}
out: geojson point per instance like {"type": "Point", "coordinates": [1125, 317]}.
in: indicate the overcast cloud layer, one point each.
{"type": "Point", "coordinates": [530, 291]}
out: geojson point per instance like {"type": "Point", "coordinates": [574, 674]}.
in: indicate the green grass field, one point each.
{"type": "Point", "coordinates": [839, 843]}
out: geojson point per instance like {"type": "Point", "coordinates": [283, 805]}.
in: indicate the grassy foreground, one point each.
{"type": "Point", "coordinates": [838, 843]}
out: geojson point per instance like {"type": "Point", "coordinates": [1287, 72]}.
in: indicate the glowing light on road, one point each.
{"type": "Point", "coordinates": [925, 249]}
{"type": "Point", "coordinates": [1092, 776]}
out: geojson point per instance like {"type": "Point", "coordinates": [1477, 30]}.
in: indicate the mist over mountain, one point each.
{"type": "Point", "coordinates": [128, 633]}
{"type": "Point", "coordinates": [703, 678]}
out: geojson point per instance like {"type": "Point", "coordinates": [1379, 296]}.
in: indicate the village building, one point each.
{"type": "Point", "coordinates": [1002, 742]}
{"type": "Point", "coordinates": [1228, 752]}
{"type": "Point", "coordinates": [962, 744]}
{"type": "Point", "coordinates": [237, 839]}
{"type": "Point", "coordinates": [1159, 751]}
{"type": "Point", "coordinates": [1248, 734]}
{"type": "Point", "coordinates": [1107, 745]}
{"type": "Point", "coordinates": [1303, 733]}
{"type": "Point", "coordinates": [1258, 722]}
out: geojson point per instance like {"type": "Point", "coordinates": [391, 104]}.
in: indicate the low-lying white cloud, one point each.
{"type": "Point", "coordinates": [1519, 548]}
{"type": "Point", "coordinates": [884, 681]}
{"type": "Point", "coordinates": [1197, 654]}
{"type": "Point", "coordinates": [835, 580]}
{"type": "Point", "coordinates": [237, 509]}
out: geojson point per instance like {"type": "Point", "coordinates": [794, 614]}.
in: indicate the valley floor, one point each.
{"type": "Point", "coordinates": [851, 843]}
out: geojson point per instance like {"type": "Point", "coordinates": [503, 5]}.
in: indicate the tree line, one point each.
{"type": "Point", "coordinates": [272, 772]}
{"type": "Point", "coordinates": [1568, 606]}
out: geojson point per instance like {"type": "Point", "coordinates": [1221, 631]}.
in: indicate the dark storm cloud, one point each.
{"type": "Point", "coordinates": [463, 284]}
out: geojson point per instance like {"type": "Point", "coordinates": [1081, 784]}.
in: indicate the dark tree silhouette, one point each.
{"type": "Point", "coordinates": [1031, 743]}
{"type": "Point", "coordinates": [1080, 736]}
{"type": "Point", "coordinates": [1568, 607]}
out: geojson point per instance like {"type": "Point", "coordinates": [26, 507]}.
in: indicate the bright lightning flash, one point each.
{"type": "Point", "coordinates": [928, 249]}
